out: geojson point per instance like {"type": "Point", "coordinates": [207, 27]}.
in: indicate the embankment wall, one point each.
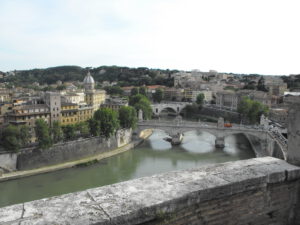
{"type": "Point", "coordinates": [63, 152]}
{"type": "Point", "coordinates": [8, 161]}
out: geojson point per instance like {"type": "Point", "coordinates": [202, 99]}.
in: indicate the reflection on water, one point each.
{"type": "Point", "coordinates": [153, 156]}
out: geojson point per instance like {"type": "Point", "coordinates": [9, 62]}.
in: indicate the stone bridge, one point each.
{"type": "Point", "coordinates": [262, 141]}
{"type": "Point", "coordinates": [177, 107]}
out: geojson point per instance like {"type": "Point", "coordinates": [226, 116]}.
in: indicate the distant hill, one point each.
{"type": "Point", "coordinates": [123, 75]}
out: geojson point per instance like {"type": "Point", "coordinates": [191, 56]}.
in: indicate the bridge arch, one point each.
{"type": "Point", "coordinates": [262, 141]}
{"type": "Point", "coordinates": [177, 107]}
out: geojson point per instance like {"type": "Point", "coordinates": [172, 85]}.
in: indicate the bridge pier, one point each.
{"type": "Point", "coordinates": [220, 142]}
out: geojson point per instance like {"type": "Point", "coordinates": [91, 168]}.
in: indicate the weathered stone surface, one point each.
{"type": "Point", "coordinates": [262, 189]}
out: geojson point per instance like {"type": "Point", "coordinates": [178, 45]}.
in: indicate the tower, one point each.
{"type": "Point", "coordinates": [89, 83]}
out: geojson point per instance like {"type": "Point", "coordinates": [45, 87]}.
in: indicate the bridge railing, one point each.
{"type": "Point", "coordinates": [281, 140]}
{"type": "Point", "coordinates": [199, 124]}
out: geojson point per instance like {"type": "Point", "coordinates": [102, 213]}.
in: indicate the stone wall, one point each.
{"type": "Point", "coordinates": [294, 135]}
{"type": "Point", "coordinates": [8, 161]}
{"type": "Point", "coordinates": [72, 150]}
{"type": "Point", "coordinates": [257, 191]}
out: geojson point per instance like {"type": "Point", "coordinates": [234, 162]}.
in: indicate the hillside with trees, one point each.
{"type": "Point", "coordinates": [125, 76]}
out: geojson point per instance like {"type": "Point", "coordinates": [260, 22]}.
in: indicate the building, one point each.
{"type": "Point", "coordinates": [93, 97]}
{"type": "Point", "coordinates": [115, 103]}
{"type": "Point", "coordinates": [279, 115]}
{"type": "Point", "coordinates": [76, 98]}
{"type": "Point", "coordinates": [53, 101]}
{"type": "Point", "coordinates": [85, 112]}
{"type": "Point", "coordinates": [208, 95]}
{"type": "Point", "coordinates": [174, 94]}
{"type": "Point", "coordinates": [127, 90]}
{"type": "Point", "coordinates": [69, 113]}
{"type": "Point", "coordinates": [227, 100]}
{"type": "Point", "coordinates": [4, 96]}
{"type": "Point", "coordinates": [291, 98]}
{"type": "Point", "coordinates": [231, 99]}
{"type": "Point", "coordinates": [27, 115]}
{"type": "Point", "coordinates": [275, 85]}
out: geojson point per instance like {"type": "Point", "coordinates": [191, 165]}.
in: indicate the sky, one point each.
{"type": "Point", "coordinates": [240, 36]}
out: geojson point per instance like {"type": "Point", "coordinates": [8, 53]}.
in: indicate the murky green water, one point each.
{"type": "Point", "coordinates": [153, 156]}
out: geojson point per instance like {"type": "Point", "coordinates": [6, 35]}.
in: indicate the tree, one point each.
{"type": "Point", "coordinates": [244, 106]}
{"type": "Point", "coordinates": [135, 99]}
{"type": "Point", "coordinates": [43, 134]}
{"type": "Point", "coordinates": [200, 99]}
{"type": "Point", "coordinates": [56, 132]}
{"type": "Point", "coordinates": [134, 91]}
{"type": "Point", "coordinates": [94, 126]}
{"type": "Point", "coordinates": [108, 119]}
{"type": "Point", "coordinates": [252, 109]}
{"type": "Point", "coordinates": [141, 102]}
{"type": "Point", "coordinates": [10, 138]}
{"type": "Point", "coordinates": [158, 95]}
{"type": "Point", "coordinates": [114, 90]}
{"type": "Point", "coordinates": [261, 85]}
{"type": "Point", "coordinates": [61, 87]}
{"type": "Point", "coordinates": [127, 117]}
{"type": "Point", "coordinates": [83, 129]}
{"type": "Point", "coordinates": [69, 131]}
{"type": "Point", "coordinates": [144, 105]}
{"type": "Point", "coordinates": [143, 91]}
{"type": "Point", "coordinates": [25, 135]}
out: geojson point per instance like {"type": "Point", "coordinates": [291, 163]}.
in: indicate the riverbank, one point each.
{"type": "Point", "coordinates": [98, 157]}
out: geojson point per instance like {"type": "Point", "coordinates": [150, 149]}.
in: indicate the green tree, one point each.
{"type": "Point", "coordinates": [69, 131]}
{"type": "Point", "coordinates": [83, 129]}
{"type": "Point", "coordinates": [141, 102]}
{"type": "Point", "coordinates": [108, 119]}
{"type": "Point", "coordinates": [10, 138]}
{"type": "Point", "coordinates": [43, 134]}
{"type": "Point", "coordinates": [127, 117]}
{"type": "Point", "coordinates": [158, 95]}
{"type": "Point", "coordinates": [134, 91]}
{"type": "Point", "coordinates": [244, 106]}
{"type": "Point", "coordinates": [61, 87]}
{"type": "Point", "coordinates": [144, 105]}
{"type": "Point", "coordinates": [114, 90]}
{"type": "Point", "coordinates": [94, 127]}
{"type": "Point", "coordinates": [143, 90]}
{"type": "Point", "coordinates": [200, 99]}
{"type": "Point", "coordinates": [56, 132]}
{"type": "Point", "coordinates": [25, 135]}
{"type": "Point", "coordinates": [252, 109]}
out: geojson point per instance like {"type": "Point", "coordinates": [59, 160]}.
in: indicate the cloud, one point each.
{"type": "Point", "coordinates": [238, 36]}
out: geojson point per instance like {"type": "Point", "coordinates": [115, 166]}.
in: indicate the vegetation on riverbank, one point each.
{"type": "Point", "coordinates": [105, 122]}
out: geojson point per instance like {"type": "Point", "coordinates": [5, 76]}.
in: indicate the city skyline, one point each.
{"type": "Point", "coordinates": [240, 37]}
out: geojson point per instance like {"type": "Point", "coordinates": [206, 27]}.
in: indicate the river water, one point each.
{"type": "Point", "coordinates": [153, 156]}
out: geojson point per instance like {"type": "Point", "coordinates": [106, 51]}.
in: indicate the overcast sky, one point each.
{"type": "Point", "coordinates": [241, 36]}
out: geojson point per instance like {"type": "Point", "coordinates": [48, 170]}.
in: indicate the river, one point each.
{"type": "Point", "coordinates": [153, 156]}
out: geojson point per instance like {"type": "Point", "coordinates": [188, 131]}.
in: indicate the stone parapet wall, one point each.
{"type": "Point", "coordinates": [256, 191]}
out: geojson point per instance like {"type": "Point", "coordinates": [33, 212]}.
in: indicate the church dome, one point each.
{"type": "Point", "coordinates": [88, 79]}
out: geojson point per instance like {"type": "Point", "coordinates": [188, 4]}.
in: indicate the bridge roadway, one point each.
{"type": "Point", "coordinates": [265, 137]}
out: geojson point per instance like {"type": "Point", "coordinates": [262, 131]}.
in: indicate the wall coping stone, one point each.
{"type": "Point", "coordinates": [141, 200]}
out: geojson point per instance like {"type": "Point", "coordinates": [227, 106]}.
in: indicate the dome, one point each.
{"type": "Point", "coordinates": [88, 79]}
